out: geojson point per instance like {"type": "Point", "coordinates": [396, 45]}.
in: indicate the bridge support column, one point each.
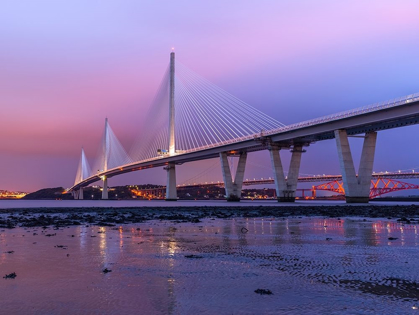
{"type": "Point", "coordinates": [286, 188]}
{"type": "Point", "coordinates": [357, 189]}
{"type": "Point", "coordinates": [171, 193]}
{"type": "Point", "coordinates": [233, 188]}
{"type": "Point", "coordinates": [80, 193]}
{"type": "Point", "coordinates": [105, 188]}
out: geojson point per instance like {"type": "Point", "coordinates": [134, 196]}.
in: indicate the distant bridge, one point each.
{"type": "Point", "coordinates": [308, 179]}
{"type": "Point", "coordinates": [381, 183]}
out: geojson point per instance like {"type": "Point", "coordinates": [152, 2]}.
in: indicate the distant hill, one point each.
{"type": "Point", "coordinates": [134, 192]}
{"type": "Point", "coordinates": [49, 193]}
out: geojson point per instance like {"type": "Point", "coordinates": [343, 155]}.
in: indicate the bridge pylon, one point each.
{"type": "Point", "coordinates": [172, 147]}
{"type": "Point", "coordinates": [171, 193]}
{"type": "Point", "coordinates": [357, 188]}
{"type": "Point", "coordinates": [286, 187]}
{"type": "Point", "coordinates": [106, 151]}
{"type": "Point", "coordinates": [82, 173]}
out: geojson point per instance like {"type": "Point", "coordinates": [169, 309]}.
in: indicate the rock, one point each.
{"type": "Point", "coordinates": [105, 224]}
{"type": "Point", "coordinates": [106, 270]}
{"type": "Point", "coordinates": [405, 220]}
{"type": "Point", "coordinates": [10, 276]}
{"type": "Point", "coordinates": [194, 256]}
{"type": "Point", "coordinates": [263, 291]}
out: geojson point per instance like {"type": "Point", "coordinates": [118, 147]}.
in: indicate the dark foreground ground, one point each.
{"type": "Point", "coordinates": [59, 217]}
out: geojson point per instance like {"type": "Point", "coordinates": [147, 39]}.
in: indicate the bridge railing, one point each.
{"type": "Point", "coordinates": [349, 113]}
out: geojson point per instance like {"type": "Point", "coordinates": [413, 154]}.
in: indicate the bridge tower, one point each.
{"type": "Point", "coordinates": [82, 173]}
{"type": "Point", "coordinates": [172, 149]}
{"type": "Point", "coordinates": [83, 161]}
{"type": "Point", "coordinates": [106, 151]}
{"type": "Point", "coordinates": [357, 188]}
{"type": "Point", "coordinates": [171, 194]}
{"type": "Point", "coordinates": [286, 186]}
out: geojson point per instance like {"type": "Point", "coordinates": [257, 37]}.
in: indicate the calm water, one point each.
{"type": "Point", "coordinates": [311, 265]}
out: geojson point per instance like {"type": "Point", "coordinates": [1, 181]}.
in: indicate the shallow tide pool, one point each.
{"type": "Point", "coordinates": [310, 265]}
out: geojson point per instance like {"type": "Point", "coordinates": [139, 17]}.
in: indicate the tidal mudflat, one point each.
{"type": "Point", "coordinates": [239, 265]}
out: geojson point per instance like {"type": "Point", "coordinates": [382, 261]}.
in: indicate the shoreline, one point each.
{"type": "Point", "coordinates": [134, 203]}
{"type": "Point", "coordinates": [101, 216]}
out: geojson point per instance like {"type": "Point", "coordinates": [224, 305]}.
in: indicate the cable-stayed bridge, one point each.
{"type": "Point", "coordinates": [191, 119]}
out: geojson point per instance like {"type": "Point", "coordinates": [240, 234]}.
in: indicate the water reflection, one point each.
{"type": "Point", "coordinates": [168, 249]}
{"type": "Point", "coordinates": [214, 267]}
{"type": "Point", "coordinates": [226, 233]}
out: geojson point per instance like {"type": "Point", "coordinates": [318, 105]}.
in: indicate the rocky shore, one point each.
{"type": "Point", "coordinates": [60, 217]}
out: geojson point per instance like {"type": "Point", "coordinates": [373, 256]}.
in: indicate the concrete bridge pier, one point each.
{"type": "Point", "coordinates": [171, 193]}
{"type": "Point", "coordinates": [105, 188]}
{"type": "Point", "coordinates": [286, 187]}
{"type": "Point", "coordinates": [357, 188]}
{"type": "Point", "coordinates": [77, 194]}
{"type": "Point", "coordinates": [233, 188]}
{"type": "Point", "coordinates": [80, 193]}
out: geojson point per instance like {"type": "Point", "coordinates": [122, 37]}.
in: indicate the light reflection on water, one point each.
{"type": "Point", "coordinates": [312, 265]}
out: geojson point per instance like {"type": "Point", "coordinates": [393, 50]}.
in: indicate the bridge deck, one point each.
{"type": "Point", "coordinates": [395, 114]}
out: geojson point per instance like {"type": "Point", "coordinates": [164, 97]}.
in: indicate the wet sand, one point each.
{"type": "Point", "coordinates": [224, 259]}
{"type": "Point", "coordinates": [310, 265]}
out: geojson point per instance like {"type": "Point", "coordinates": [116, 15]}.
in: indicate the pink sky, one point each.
{"type": "Point", "coordinates": [65, 66]}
